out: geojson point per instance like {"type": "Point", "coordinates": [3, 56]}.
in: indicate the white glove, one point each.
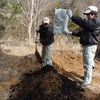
{"type": "Point", "coordinates": [69, 13]}
{"type": "Point", "coordinates": [37, 30]}
{"type": "Point", "coordinates": [70, 32]}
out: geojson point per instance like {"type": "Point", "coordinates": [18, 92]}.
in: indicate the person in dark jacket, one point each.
{"type": "Point", "coordinates": [89, 38]}
{"type": "Point", "coordinates": [46, 39]}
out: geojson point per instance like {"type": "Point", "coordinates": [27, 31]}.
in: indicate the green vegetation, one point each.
{"type": "Point", "coordinates": [16, 8]}
{"type": "Point", "coordinates": [12, 19]}
{"type": "Point", "coordinates": [10, 26]}
{"type": "Point", "coordinates": [3, 3]}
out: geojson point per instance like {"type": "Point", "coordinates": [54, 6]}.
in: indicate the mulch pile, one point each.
{"type": "Point", "coordinates": [46, 84]}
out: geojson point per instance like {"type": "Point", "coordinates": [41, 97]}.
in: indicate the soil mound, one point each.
{"type": "Point", "coordinates": [46, 84]}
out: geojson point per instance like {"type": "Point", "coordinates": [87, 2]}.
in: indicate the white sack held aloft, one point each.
{"type": "Point", "coordinates": [60, 21]}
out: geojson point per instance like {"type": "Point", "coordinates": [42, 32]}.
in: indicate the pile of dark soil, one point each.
{"type": "Point", "coordinates": [46, 84]}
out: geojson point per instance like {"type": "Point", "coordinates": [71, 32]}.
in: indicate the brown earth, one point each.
{"type": "Point", "coordinates": [22, 77]}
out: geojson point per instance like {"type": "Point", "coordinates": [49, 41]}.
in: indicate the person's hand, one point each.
{"type": "Point", "coordinates": [69, 13]}
{"type": "Point", "coordinates": [70, 33]}
{"type": "Point", "coordinates": [37, 30]}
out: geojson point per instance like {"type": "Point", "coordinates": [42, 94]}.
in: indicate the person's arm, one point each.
{"type": "Point", "coordinates": [77, 33]}
{"type": "Point", "coordinates": [37, 34]}
{"type": "Point", "coordinates": [88, 24]}
{"type": "Point", "coordinates": [37, 30]}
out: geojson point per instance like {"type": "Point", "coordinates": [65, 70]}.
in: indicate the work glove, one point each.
{"type": "Point", "coordinates": [37, 30]}
{"type": "Point", "coordinates": [69, 13]}
{"type": "Point", "coordinates": [70, 33]}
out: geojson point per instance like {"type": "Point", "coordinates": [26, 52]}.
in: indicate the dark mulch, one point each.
{"type": "Point", "coordinates": [46, 84]}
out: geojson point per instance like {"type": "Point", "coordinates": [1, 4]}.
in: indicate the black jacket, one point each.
{"type": "Point", "coordinates": [46, 35]}
{"type": "Point", "coordinates": [90, 32]}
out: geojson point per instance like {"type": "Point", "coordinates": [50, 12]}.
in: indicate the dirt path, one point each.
{"type": "Point", "coordinates": [18, 79]}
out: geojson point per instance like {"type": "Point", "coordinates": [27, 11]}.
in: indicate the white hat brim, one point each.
{"type": "Point", "coordinates": [46, 22]}
{"type": "Point", "coordinates": [87, 12]}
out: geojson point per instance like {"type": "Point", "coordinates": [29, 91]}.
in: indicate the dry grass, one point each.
{"type": "Point", "coordinates": [64, 42]}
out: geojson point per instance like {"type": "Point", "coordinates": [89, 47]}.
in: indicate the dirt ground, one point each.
{"type": "Point", "coordinates": [22, 78]}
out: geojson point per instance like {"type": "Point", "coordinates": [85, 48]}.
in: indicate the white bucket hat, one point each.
{"type": "Point", "coordinates": [46, 20]}
{"type": "Point", "coordinates": [90, 8]}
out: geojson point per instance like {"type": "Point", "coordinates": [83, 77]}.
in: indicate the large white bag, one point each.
{"type": "Point", "coordinates": [60, 21]}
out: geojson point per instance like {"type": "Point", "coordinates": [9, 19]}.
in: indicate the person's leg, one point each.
{"type": "Point", "coordinates": [43, 52]}
{"type": "Point", "coordinates": [88, 62]}
{"type": "Point", "coordinates": [43, 55]}
{"type": "Point", "coordinates": [46, 55]}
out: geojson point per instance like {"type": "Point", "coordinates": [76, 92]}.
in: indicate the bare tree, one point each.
{"type": "Point", "coordinates": [32, 11]}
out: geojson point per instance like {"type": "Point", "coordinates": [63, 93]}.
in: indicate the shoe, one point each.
{"type": "Point", "coordinates": [84, 85]}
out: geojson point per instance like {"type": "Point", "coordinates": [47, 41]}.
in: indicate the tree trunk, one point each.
{"type": "Point", "coordinates": [31, 22]}
{"type": "Point", "coordinates": [32, 10]}
{"type": "Point", "coordinates": [29, 31]}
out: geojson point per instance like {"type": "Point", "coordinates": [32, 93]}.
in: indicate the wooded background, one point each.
{"type": "Point", "coordinates": [20, 18]}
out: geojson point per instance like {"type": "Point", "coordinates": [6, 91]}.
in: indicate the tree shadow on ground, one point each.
{"type": "Point", "coordinates": [46, 84]}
